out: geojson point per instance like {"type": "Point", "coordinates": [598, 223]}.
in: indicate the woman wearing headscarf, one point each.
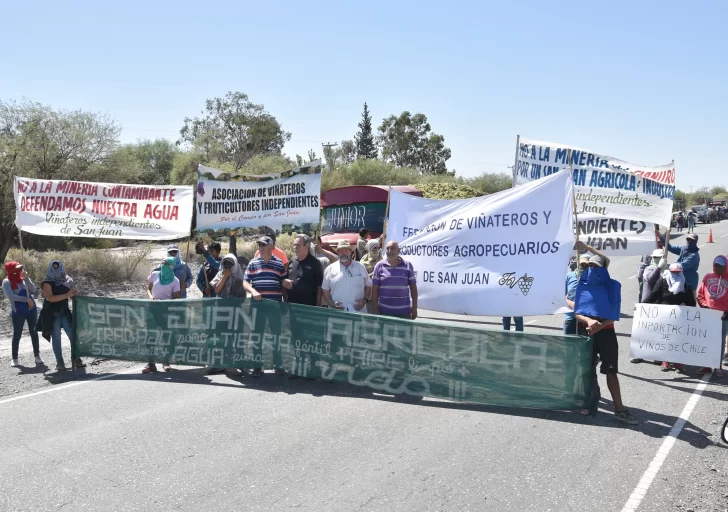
{"type": "Point", "coordinates": [229, 282]}
{"type": "Point", "coordinates": [56, 315]}
{"type": "Point", "coordinates": [162, 284]}
{"type": "Point", "coordinates": [181, 270]}
{"type": "Point", "coordinates": [372, 256]}
{"type": "Point", "coordinates": [18, 288]}
{"type": "Point", "coordinates": [672, 289]}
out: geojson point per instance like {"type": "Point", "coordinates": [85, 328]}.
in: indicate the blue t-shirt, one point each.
{"type": "Point", "coordinates": [571, 281]}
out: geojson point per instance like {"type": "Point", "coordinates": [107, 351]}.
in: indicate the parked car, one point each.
{"type": "Point", "coordinates": [705, 215]}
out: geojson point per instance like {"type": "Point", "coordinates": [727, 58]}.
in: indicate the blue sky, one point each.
{"type": "Point", "coordinates": [642, 81]}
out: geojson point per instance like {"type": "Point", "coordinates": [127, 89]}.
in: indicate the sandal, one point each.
{"type": "Point", "coordinates": [166, 368]}
{"type": "Point", "coordinates": [149, 368]}
{"type": "Point", "coordinates": [719, 372]}
{"type": "Point", "coordinates": [704, 371]}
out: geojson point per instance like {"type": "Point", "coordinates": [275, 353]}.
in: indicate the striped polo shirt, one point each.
{"type": "Point", "coordinates": [267, 278]}
{"type": "Point", "coordinates": [394, 283]}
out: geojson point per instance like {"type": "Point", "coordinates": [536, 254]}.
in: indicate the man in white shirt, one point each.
{"type": "Point", "coordinates": [346, 284]}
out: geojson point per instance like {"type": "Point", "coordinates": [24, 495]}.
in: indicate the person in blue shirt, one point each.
{"type": "Point", "coordinates": [18, 288]}
{"type": "Point", "coordinates": [688, 257]}
{"type": "Point", "coordinates": [210, 268]}
{"type": "Point", "coordinates": [572, 279]}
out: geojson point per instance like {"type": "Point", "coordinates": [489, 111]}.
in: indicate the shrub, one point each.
{"type": "Point", "coordinates": [447, 191]}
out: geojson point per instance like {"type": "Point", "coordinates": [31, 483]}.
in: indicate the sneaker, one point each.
{"type": "Point", "coordinates": [665, 367]}
{"type": "Point", "coordinates": [704, 371]}
{"type": "Point", "coordinates": [280, 372]}
{"type": "Point", "coordinates": [719, 372]}
{"type": "Point", "coordinates": [38, 360]}
{"type": "Point", "coordinates": [60, 365]}
{"type": "Point", "coordinates": [166, 368]}
{"type": "Point", "coordinates": [257, 372]}
{"type": "Point", "coordinates": [626, 417]}
{"type": "Point", "coordinates": [636, 360]}
{"type": "Point", "coordinates": [14, 363]}
{"type": "Point", "coordinates": [149, 368]}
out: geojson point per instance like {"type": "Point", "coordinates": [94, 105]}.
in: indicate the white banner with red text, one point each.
{"type": "Point", "coordinates": [504, 254]}
{"type": "Point", "coordinates": [604, 185]}
{"type": "Point", "coordinates": [234, 201]}
{"type": "Point", "coordinates": [102, 210]}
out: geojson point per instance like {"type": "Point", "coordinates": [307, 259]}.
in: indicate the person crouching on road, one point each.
{"type": "Point", "coordinates": [394, 286]}
{"type": "Point", "coordinates": [57, 288]}
{"type": "Point", "coordinates": [597, 306]}
{"type": "Point", "coordinates": [713, 294]}
{"type": "Point", "coordinates": [672, 289]}
{"type": "Point", "coordinates": [18, 288]}
{"type": "Point", "coordinates": [162, 285]}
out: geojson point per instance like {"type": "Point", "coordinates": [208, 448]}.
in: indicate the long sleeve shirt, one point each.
{"type": "Point", "coordinates": [21, 295]}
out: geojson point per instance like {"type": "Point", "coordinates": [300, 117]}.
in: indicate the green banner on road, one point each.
{"type": "Point", "coordinates": [381, 353]}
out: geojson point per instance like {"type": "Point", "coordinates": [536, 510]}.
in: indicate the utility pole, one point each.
{"type": "Point", "coordinates": [327, 154]}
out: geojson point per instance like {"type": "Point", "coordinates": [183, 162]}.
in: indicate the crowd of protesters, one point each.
{"type": "Point", "coordinates": [365, 279]}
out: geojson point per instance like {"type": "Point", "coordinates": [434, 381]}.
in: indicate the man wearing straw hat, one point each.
{"type": "Point", "coordinates": [346, 284]}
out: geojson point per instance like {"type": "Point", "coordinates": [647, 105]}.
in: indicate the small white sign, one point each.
{"type": "Point", "coordinates": [677, 334]}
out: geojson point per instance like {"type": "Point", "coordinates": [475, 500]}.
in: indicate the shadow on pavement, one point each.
{"type": "Point", "coordinates": [652, 424]}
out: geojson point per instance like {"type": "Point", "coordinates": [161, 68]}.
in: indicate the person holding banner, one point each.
{"type": "Point", "coordinates": [278, 253]}
{"type": "Point", "coordinates": [162, 284]}
{"type": "Point", "coordinates": [396, 277]}
{"type": "Point", "coordinates": [713, 294]}
{"type": "Point", "coordinates": [347, 284]}
{"type": "Point", "coordinates": [572, 279]}
{"type": "Point", "coordinates": [18, 287]}
{"type": "Point", "coordinates": [210, 268]}
{"type": "Point", "coordinates": [688, 257]}
{"type": "Point", "coordinates": [264, 280]}
{"type": "Point", "coordinates": [229, 282]}
{"type": "Point", "coordinates": [181, 270]}
{"type": "Point", "coordinates": [597, 305]}
{"type": "Point", "coordinates": [672, 289]}
{"type": "Point", "coordinates": [56, 315]}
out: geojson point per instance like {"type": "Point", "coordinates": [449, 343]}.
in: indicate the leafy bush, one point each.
{"type": "Point", "coordinates": [447, 191]}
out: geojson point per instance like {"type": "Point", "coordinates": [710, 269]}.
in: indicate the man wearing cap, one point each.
{"type": "Point", "coordinates": [264, 280]}
{"type": "Point", "coordinates": [278, 253]}
{"type": "Point", "coordinates": [688, 257]}
{"type": "Point", "coordinates": [713, 294]}
{"type": "Point", "coordinates": [672, 289]}
{"type": "Point", "coordinates": [597, 305]}
{"type": "Point", "coordinates": [572, 279]}
{"type": "Point", "coordinates": [346, 284]}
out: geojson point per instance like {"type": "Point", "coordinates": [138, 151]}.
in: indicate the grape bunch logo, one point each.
{"type": "Point", "coordinates": [524, 282]}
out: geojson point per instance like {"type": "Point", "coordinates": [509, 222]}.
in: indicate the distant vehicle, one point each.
{"type": "Point", "coordinates": [345, 210]}
{"type": "Point", "coordinates": [705, 214]}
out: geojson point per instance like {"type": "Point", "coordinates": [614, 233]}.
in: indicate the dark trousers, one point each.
{"type": "Point", "coordinates": [18, 322]}
{"type": "Point", "coordinates": [269, 313]}
{"type": "Point", "coordinates": [507, 323]}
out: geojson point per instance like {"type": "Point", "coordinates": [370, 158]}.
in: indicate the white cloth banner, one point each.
{"type": "Point", "coordinates": [677, 334]}
{"type": "Point", "coordinates": [102, 210]}
{"type": "Point", "coordinates": [233, 201]}
{"type": "Point", "coordinates": [605, 186]}
{"type": "Point", "coordinates": [505, 254]}
{"type": "Point", "coordinates": [617, 237]}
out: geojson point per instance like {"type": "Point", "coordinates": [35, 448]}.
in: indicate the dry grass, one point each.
{"type": "Point", "coordinates": [106, 266]}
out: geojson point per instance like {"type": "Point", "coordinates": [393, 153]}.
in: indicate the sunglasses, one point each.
{"type": "Point", "coordinates": [261, 244]}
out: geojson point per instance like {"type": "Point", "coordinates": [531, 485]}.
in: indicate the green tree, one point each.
{"type": "Point", "coordinates": [490, 183]}
{"type": "Point", "coordinates": [408, 141]}
{"type": "Point", "coordinates": [146, 162]}
{"type": "Point", "coordinates": [232, 130]}
{"type": "Point", "coordinates": [39, 142]}
{"type": "Point", "coordinates": [364, 138]}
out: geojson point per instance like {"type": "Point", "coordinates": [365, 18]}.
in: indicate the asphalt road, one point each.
{"type": "Point", "coordinates": [185, 441]}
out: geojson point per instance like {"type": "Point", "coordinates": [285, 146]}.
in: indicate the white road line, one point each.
{"type": "Point", "coordinates": [644, 484]}
{"type": "Point", "coordinates": [531, 322]}
{"type": "Point", "coordinates": [69, 385]}
{"type": "Point", "coordinates": [724, 235]}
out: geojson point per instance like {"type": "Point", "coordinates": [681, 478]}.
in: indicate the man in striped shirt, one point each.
{"type": "Point", "coordinates": [394, 286]}
{"type": "Point", "coordinates": [264, 280]}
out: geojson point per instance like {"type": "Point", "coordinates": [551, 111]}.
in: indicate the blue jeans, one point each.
{"type": "Point", "coordinates": [570, 325]}
{"type": "Point", "coordinates": [58, 322]}
{"type": "Point", "coordinates": [31, 317]}
{"type": "Point", "coordinates": [507, 323]}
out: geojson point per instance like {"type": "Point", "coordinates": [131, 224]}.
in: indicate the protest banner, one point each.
{"type": "Point", "coordinates": [617, 237]}
{"type": "Point", "coordinates": [505, 254]}
{"type": "Point", "coordinates": [604, 185]}
{"type": "Point", "coordinates": [102, 210]}
{"type": "Point", "coordinates": [383, 354]}
{"type": "Point", "coordinates": [233, 201]}
{"type": "Point", "coordinates": [677, 334]}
